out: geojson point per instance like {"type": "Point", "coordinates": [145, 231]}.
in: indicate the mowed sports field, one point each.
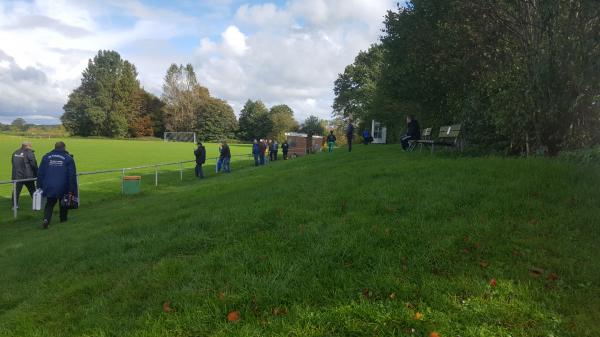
{"type": "Point", "coordinates": [376, 242]}
{"type": "Point", "coordinates": [104, 154]}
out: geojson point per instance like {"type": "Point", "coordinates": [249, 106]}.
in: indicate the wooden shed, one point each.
{"type": "Point", "coordinates": [298, 143]}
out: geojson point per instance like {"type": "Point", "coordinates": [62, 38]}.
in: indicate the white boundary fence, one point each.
{"type": "Point", "coordinates": [121, 170]}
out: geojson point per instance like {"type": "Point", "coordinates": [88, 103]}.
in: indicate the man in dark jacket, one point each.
{"type": "Point", "coordinates": [284, 149]}
{"type": "Point", "coordinates": [200, 154]}
{"type": "Point", "coordinates": [350, 136]}
{"type": "Point", "coordinates": [226, 157]}
{"type": "Point", "coordinates": [262, 147]}
{"type": "Point", "coordinates": [255, 152]}
{"type": "Point", "coordinates": [413, 132]}
{"type": "Point", "coordinates": [57, 177]}
{"type": "Point", "coordinates": [24, 166]}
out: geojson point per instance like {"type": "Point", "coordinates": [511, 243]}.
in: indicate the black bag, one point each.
{"type": "Point", "coordinates": [69, 201]}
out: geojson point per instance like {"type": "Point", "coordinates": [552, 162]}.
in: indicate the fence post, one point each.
{"type": "Point", "coordinates": [122, 181]}
{"type": "Point", "coordinates": [181, 171]}
{"type": "Point", "coordinates": [15, 207]}
{"type": "Point", "coordinates": [156, 176]}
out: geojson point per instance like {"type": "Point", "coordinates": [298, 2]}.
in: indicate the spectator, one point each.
{"type": "Point", "coordinates": [219, 160]}
{"type": "Point", "coordinates": [284, 149]}
{"type": "Point", "coordinates": [350, 136]}
{"type": "Point", "coordinates": [274, 150]}
{"type": "Point", "coordinates": [200, 154]}
{"type": "Point", "coordinates": [226, 157]}
{"type": "Point", "coordinates": [256, 152]}
{"type": "Point", "coordinates": [413, 132]}
{"type": "Point", "coordinates": [24, 166]}
{"type": "Point", "coordinates": [57, 178]}
{"type": "Point", "coordinates": [262, 147]}
{"type": "Point", "coordinates": [331, 141]}
{"type": "Point", "coordinates": [366, 137]}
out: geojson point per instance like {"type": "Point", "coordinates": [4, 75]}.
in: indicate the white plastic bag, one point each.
{"type": "Point", "coordinates": [37, 200]}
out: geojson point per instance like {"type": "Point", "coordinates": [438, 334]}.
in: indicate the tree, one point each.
{"type": "Point", "coordinates": [355, 89]}
{"type": "Point", "coordinates": [152, 112]}
{"type": "Point", "coordinates": [216, 120]}
{"type": "Point", "coordinates": [255, 121]}
{"type": "Point", "coordinates": [313, 126]}
{"type": "Point", "coordinates": [182, 94]}
{"type": "Point", "coordinates": [108, 99]}
{"type": "Point", "coordinates": [18, 124]}
{"type": "Point", "coordinates": [282, 119]}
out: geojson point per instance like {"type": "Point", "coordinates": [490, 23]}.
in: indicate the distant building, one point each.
{"type": "Point", "coordinates": [378, 132]}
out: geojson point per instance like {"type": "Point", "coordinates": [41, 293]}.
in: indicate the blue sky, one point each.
{"type": "Point", "coordinates": [282, 52]}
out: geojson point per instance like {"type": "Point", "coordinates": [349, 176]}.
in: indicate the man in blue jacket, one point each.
{"type": "Point", "coordinates": [57, 178]}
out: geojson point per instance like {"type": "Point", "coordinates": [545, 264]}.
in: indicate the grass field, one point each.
{"type": "Point", "coordinates": [104, 154]}
{"type": "Point", "coordinates": [372, 243]}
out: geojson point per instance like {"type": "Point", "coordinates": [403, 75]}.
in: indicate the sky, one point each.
{"type": "Point", "coordinates": [281, 52]}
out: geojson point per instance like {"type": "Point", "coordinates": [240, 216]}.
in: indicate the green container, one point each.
{"type": "Point", "coordinates": [131, 184]}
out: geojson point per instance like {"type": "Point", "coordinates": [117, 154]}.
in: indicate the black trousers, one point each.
{"type": "Point", "coordinates": [30, 187]}
{"type": "Point", "coordinates": [405, 142]}
{"type": "Point", "coordinates": [349, 144]}
{"type": "Point", "coordinates": [50, 202]}
{"type": "Point", "coordinates": [285, 156]}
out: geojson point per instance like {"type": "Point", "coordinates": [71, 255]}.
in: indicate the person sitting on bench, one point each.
{"type": "Point", "coordinates": [413, 132]}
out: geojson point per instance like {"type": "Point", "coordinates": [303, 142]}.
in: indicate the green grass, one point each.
{"type": "Point", "coordinates": [326, 240]}
{"type": "Point", "coordinates": [104, 154]}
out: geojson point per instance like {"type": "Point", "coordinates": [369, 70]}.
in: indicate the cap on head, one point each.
{"type": "Point", "coordinates": [59, 146]}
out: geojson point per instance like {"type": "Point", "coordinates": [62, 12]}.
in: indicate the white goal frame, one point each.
{"type": "Point", "coordinates": [180, 137]}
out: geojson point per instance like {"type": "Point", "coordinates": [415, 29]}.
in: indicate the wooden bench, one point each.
{"type": "Point", "coordinates": [449, 136]}
{"type": "Point", "coordinates": [425, 137]}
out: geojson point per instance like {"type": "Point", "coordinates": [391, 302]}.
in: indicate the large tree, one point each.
{"type": "Point", "coordinates": [282, 119]}
{"type": "Point", "coordinates": [216, 120]}
{"type": "Point", "coordinates": [313, 126]}
{"type": "Point", "coordinates": [255, 121]}
{"type": "Point", "coordinates": [108, 99]}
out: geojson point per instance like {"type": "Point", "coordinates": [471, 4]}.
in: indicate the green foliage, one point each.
{"type": "Point", "coordinates": [18, 124]}
{"type": "Point", "coordinates": [519, 75]}
{"type": "Point", "coordinates": [313, 126]}
{"type": "Point", "coordinates": [216, 120]}
{"type": "Point", "coordinates": [109, 102]}
{"type": "Point", "coordinates": [189, 106]}
{"type": "Point", "coordinates": [255, 121]}
{"type": "Point", "coordinates": [282, 118]}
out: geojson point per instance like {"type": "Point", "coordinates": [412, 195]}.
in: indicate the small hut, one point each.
{"type": "Point", "coordinates": [298, 143]}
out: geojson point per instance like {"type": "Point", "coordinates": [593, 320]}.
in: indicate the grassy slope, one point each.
{"type": "Point", "coordinates": [314, 236]}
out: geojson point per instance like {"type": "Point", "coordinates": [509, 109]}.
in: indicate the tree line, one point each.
{"type": "Point", "coordinates": [110, 102]}
{"type": "Point", "coordinates": [521, 76]}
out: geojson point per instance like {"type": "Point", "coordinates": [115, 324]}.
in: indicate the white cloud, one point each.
{"type": "Point", "coordinates": [288, 53]}
{"type": "Point", "coordinates": [234, 41]}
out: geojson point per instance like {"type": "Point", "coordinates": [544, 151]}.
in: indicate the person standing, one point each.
{"type": "Point", "coordinates": [57, 177]}
{"type": "Point", "coordinates": [366, 137]}
{"type": "Point", "coordinates": [350, 136]}
{"type": "Point", "coordinates": [274, 150]}
{"type": "Point", "coordinates": [331, 141]}
{"type": "Point", "coordinates": [200, 154]}
{"type": "Point", "coordinates": [262, 147]}
{"type": "Point", "coordinates": [226, 157]}
{"type": "Point", "coordinates": [24, 166]}
{"type": "Point", "coordinates": [284, 149]}
{"type": "Point", "coordinates": [413, 132]}
{"type": "Point", "coordinates": [255, 152]}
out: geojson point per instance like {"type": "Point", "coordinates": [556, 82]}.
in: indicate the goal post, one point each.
{"type": "Point", "coordinates": [180, 137]}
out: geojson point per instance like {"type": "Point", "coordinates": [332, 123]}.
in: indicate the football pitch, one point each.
{"type": "Point", "coordinates": [93, 154]}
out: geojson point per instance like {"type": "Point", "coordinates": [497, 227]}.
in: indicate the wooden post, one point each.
{"type": "Point", "coordinates": [156, 176]}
